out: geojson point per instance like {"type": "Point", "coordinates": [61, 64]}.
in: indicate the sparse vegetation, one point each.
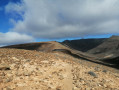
{"type": "Point", "coordinates": [43, 69]}
{"type": "Point", "coordinates": [92, 74]}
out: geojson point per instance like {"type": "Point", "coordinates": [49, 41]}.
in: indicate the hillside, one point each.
{"type": "Point", "coordinates": [109, 46]}
{"type": "Point", "coordinates": [83, 44]}
{"type": "Point", "coordinates": [108, 51]}
{"type": "Point", "coordinates": [52, 46]}
{"type": "Point", "coordinates": [32, 70]}
{"type": "Point", "coordinates": [105, 50]}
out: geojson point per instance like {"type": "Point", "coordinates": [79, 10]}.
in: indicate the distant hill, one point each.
{"type": "Point", "coordinates": [106, 49]}
{"type": "Point", "coordinates": [110, 45]}
{"type": "Point", "coordinates": [83, 44]}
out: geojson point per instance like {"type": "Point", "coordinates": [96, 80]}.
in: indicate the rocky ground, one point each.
{"type": "Point", "coordinates": [33, 70]}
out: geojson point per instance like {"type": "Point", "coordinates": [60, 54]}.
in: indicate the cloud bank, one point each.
{"type": "Point", "coordinates": [66, 18]}
{"type": "Point", "coordinates": [55, 19]}
{"type": "Point", "coordinates": [14, 38]}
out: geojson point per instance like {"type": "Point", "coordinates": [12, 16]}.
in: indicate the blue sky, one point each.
{"type": "Point", "coordinates": [23, 21]}
{"type": "Point", "coordinates": [4, 18]}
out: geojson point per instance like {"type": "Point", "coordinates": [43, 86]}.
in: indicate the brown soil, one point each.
{"type": "Point", "coordinates": [33, 70]}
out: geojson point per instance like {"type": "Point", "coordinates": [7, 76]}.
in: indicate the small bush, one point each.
{"type": "Point", "coordinates": [92, 74]}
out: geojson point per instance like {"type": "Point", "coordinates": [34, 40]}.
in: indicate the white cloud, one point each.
{"type": "Point", "coordinates": [66, 18]}
{"type": "Point", "coordinates": [15, 7]}
{"type": "Point", "coordinates": [14, 38]}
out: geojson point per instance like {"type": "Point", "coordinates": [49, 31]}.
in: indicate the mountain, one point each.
{"type": "Point", "coordinates": [109, 46]}
{"type": "Point", "coordinates": [83, 44]}
{"type": "Point", "coordinates": [106, 49]}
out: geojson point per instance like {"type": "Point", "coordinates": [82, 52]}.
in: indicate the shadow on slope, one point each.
{"type": "Point", "coordinates": [57, 47]}
{"type": "Point", "coordinates": [108, 51]}
{"type": "Point", "coordinates": [83, 44]}
{"type": "Point", "coordinates": [105, 50]}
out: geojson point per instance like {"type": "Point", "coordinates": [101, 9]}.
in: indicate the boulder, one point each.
{"type": "Point", "coordinates": [4, 67]}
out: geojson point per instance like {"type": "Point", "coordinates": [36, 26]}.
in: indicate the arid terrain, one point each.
{"type": "Point", "coordinates": [105, 50]}
{"type": "Point", "coordinates": [54, 66]}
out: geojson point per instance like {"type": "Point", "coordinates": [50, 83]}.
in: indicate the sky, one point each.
{"type": "Point", "coordinates": [23, 21]}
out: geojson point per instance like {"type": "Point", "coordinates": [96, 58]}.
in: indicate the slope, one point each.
{"type": "Point", "coordinates": [108, 51]}
{"type": "Point", "coordinates": [52, 46]}
{"type": "Point", "coordinates": [31, 70]}
{"type": "Point", "coordinates": [83, 44]}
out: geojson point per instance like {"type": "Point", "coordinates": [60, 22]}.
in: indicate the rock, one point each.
{"type": "Point", "coordinates": [88, 88]}
{"type": "Point", "coordinates": [105, 71]}
{"type": "Point", "coordinates": [14, 58]}
{"type": "Point", "coordinates": [28, 60]}
{"type": "Point", "coordinates": [104, 85]}
{"type": "Point", "coordinates": [27, 73]}
{"type": "Point", "coordinates": [2, 74]}
{"type": "Point", "coordinates": [92, 74]}
{"type": "Point", "coordinates": [7, 88]}
{"type": "Point", "coordinates": [4, 67]}
{"type": "Point", "coordinates": [83, 82]}
{"type": "Point", "coordinates": [9, 74]}
{"type": "Point", "coordinates": [97, 69]}
{"type": "Point", "coordinates": [78, 85]}
{"type": "Point", "coordinates": [74, 88]}
{"type": "Point", "coordinates": [61, 77]}
{"type": "Point", "coordinates": [8, 80]}
{"type": "Point", "coordinates": [13, 66]}
{"type": "Point", "coordinates": [12, 87]}
{"type": "Point", "coordinates": [58, 88]}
